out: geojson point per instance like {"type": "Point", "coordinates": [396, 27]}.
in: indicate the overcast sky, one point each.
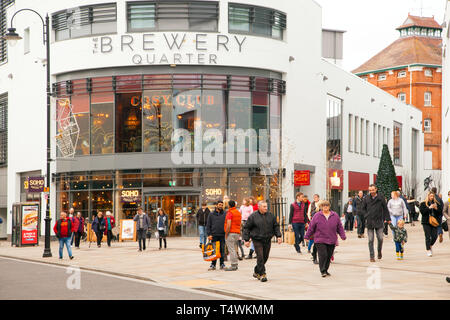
{"type": "Point", "coordinates": [370, 25]}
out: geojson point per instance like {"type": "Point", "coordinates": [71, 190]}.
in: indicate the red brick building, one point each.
{"type": "Point", "coordinates": [411, 69]}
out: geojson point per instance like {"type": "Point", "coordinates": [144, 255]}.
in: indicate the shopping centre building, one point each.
{"type": "Point", "coordinates": [159, 93]}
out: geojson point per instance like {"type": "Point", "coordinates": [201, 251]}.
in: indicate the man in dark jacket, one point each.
{"type": "Point", "coordinates": [216, 232]}
{"type": "Point", "coordinates": [376, 214]}
{"type": "Point", "coordinates": [359, 214]}
{"type": "Point", "coordinates": [298, 217]}
{"type": "Point", "coordinates": [202, 218]}
{"type": "Point", "coordinates": [261, 226]}
{"type": "Point", "coordinates": [142, 226]}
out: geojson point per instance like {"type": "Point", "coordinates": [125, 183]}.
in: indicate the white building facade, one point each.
{"type": "Point", "coordinates": [446, 103]}
{"type": "Point", "coordinates": [134, 75]}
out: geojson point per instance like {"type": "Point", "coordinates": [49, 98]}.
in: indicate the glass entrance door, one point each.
{"type": "Point", "coordinates": [181, 210]}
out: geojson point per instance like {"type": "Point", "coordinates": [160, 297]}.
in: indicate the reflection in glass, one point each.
{"type": "Point", "coordinates": [187, 105]}
{"type": "Point", "coordinates": [157, 120]}
{"type": "Point", "coordinates": [213, 113]}
{"type": "Point", "coordinates": [102, 124]}
{"type": "Point", "coordinates": [128, 122]}
{"type": "Point", "coordinates": [101, 201]}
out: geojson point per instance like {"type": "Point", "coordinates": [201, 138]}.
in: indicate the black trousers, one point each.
{"type": "Point", "coordinates": [262, 250]}
{"type": "Point", "coordinates": [221, 239]}
{"type": "Point", "coordinates": [142, 235]}
{"type": "Point", "coordinates": [162, 236]}
{"type": "Point", "coordinates": [77, 239]}
{"type": "Point", "coordinates": [325, 252]}
{"type": "Point", "coordinates": [109, 236]}
{"type": "Point", "coordinates": [430, 235]}
{"type": "Point", "coordinates": [349, 221]}
{"type": "Point", "coordinates": [314, 252]}
{"type": "Point", "coordinates": [99, 236]}
{"type": "Point", "coordinates": [361, 224]}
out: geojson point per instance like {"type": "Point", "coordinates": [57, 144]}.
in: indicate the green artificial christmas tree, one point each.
{"type": "Point", "coordinates": [386, 177]}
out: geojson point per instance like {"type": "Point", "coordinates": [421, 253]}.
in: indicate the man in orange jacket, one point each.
{"type": "Point", "coordinates": [232, 233]}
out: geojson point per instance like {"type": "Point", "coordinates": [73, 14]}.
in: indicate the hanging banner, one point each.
{"type": "Point", "coordinates": [30, 217]}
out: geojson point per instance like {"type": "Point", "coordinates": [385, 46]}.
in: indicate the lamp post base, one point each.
{"type": "Point", "coordinates": [47, 250]}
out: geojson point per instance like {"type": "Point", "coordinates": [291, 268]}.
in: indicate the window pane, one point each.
{"type": "Point", "coordinates": [260, 118]}
{"type": "Point", "coordinates": [128, 122]}
{"type": "Point", "coordinates": [239, 106]}
{"type": "Point", "coordinates": [104, 27]}
{"type": "Point", "coordinates": [213, 112]}
{"type": "Point", "coordinates": [102, 125]}
{"type": "Point", "coordinates": [173, 16]}
{"type": "Point", "coordinates": [203, 24]}
{"type": "Point", "coordinates": [186, 106]}
{"type": "Point", "coordinates": [141, 16]}
{"type": "Point", "coordinates": [80, 31]}
{"type": "Point", "coordinates": [157, 122]}
{"type": "Point", "coordinates": [101, 201]}
{"type": "Point", "coordinates": [239, 19]}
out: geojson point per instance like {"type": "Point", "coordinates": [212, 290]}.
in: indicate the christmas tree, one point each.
{"type": "Point", "coordinates": [386, 177]}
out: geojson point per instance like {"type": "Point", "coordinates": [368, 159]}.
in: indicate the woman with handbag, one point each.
{"type": "Point", "coordinates": [162, 225]}
{"type": "Point", "coordinates": [99, 227]}
{"type": "Point", "coordinates": [431, 211]}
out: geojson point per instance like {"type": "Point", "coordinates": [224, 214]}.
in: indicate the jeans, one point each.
{"type": "Point", "coordinates": [262, 249]}
{"type": "Point", "coordinates": [395, 220]}
{"type": "Point", "coordinates": [232, 240]}
{"type": "Point", "coordinates": [439, 230]}
{"type": "Point", "coordinates": [202, 232]}
{"type": "Point", "coordinates": [349, 221]}
{"type": "Point", "coordinates": [142, 236]}
{"type": "Point", "coordinates": [398, 246]}
{"type": "Point", "coordinates": [430, 235]}
{"type": "Point", "coordinates": [310, 244]}
{"type": "Point", "coordinates": [325, 252]}
{"type": "Point", "coordinates": [361, 223]}
{"type": "Point", "coordinates": [371, 236]}
{"type": "Point", "coordinates": [299, 231]}
{"type": "Point", "coordinates": [221, 239]}
{"type": "Point", "coordinates": [62, 242]}
{"type": "Point", "coordinates": [109, 237]}
{"type": "Point", "coordinates": [71, 238]}
{"type": "Point", "coordinates": [99, 236]}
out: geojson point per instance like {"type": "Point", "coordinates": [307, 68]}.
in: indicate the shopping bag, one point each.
{"type": "Point", "coordinates": [343, 221]}
{"type": "Point", "coordinates": [290, 237]}
{"type": "Point", "coordinates": [211, 251]}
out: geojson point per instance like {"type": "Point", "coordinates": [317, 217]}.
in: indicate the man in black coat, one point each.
{"type": "Point", "coordinates": [358, 202]}
{"type": "Point", "coordinates": [215, 229]}
{"type": "Point", "coordinates": [261, 226]}
{"type": "Point", "coordinates": [376, 214]}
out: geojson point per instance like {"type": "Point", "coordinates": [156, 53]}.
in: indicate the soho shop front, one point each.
{"type": "Point", "coordinates": [126, 118]}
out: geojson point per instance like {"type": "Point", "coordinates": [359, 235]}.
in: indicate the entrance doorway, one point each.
{"type": "Point", "coordinates": [181, 210]}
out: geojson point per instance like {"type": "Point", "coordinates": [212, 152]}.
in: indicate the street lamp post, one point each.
{"type": "Point", "coordinates": [12, 38]}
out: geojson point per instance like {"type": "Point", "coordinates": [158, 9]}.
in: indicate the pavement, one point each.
{"type": "Point", "coordinates": [291, 276]}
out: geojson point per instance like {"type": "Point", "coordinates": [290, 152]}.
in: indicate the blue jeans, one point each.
{"type": "Point", "coordinates": [310, 244]}
{"type": "Point", "coordinates": [398, 247]}
{"type": "Point", "coordinates": [439, 230]}
{"type": "Point", "coordinates": [395, 220]}
{"type": "Point", "coordinates": [202, 232]}
{"type": "Point", "coordinates": [65, 241]}
{"type": "Point", "coordinates": [299, 231]}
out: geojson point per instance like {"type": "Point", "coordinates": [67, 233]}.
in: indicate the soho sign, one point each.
{"type": "Point", "coordinates": [142, 47]}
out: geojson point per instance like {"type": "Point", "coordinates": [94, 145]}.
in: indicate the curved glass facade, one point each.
{"type": "Point", "coordinates": [139, 113]}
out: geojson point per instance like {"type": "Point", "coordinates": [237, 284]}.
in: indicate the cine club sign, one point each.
{"type": "Point", "coordinates": [170, 48]}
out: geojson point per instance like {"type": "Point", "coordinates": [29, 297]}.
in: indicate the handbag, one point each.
{"type": "Point", "coordinates": [433, 221]}
{"type": "Point", "coordinates": [211, 251]}
{"type": "Point", "coordinates": [445, 226]}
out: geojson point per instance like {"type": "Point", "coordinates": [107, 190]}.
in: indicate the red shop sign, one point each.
{"type": "Point", "coordinates": [302, 178]}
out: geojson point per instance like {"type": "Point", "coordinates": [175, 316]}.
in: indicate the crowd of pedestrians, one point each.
{"type": "Point", "coordinates": [253, 225]}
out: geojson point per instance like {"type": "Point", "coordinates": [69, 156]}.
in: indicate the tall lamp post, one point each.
{"type": "Point", "coordinates": [12, 37]}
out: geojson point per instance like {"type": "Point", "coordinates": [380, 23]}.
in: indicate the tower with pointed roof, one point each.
{"type": "Point", "coordinates": [411, 69]}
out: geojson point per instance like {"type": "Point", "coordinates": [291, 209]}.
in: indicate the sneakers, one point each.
{"type": "Point", "coordinates": [380, 256]}
{"type": "Point", "coordinates": [429, 253]}
{"type": "Point", "coordinates": [212, 268]}
{"type": "Point", "coordinates": [232, 268]}
{"type": "Point", "coordinates": [324, 275]}
{"type": "Point", "coordinates": [263, 278]}
{"type": "Point", "coordinates": [327, 273]}
{"type": "Point", "coordinates": [222, 266]}
{"type": "Point", "coordinates": [448, 279]}
{"type": "Point", "coordinates": [257, 276]}
{"type": "Point", "coordinates": [372, 259]}
{"type": "Point", "coordinates": [71, 257]}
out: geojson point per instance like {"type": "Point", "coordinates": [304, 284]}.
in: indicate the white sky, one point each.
{"type": "Point", "coordinates": [370, 24]}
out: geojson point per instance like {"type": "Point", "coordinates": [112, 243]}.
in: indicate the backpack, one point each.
{"type": "Point", "coordinates": [211, 251]}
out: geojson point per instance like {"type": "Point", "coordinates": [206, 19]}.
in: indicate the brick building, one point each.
{"type": "Point", "coordinates": [411, 70]}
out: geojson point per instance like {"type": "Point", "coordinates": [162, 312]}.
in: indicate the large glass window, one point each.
{"type": "Point", "coordinates": [213, 113]}
{"type": "Point", "coordinates": [397, 143]}
{"type": "Point", "coordinates": [128, 122]}
{"type": "Point", "coordinates": [180, 15]}
{"type": "Point", "coordinates": [256, 20]}
{"type": "Point", "coordinates": [334, 129]}
{"type": "Point", "coordinates": [157, 123]}
{"type": "Point", "coordinates": [186, 107]}
{"type": "Point", "coordinates": [80, 109]}
{"type": "Point", "coordinates": [102, 123]}
{"type": "Point", "coordinates": [85, 21]}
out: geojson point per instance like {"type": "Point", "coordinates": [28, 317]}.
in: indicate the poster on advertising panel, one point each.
{"type": "Point", "coordinates": [127, 230]}
{"type": "Point", "coordinates": [30, 217]}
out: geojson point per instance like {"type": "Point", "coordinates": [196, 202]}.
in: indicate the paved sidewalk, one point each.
{"type": "Point", "coordinates": [291, 276]}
